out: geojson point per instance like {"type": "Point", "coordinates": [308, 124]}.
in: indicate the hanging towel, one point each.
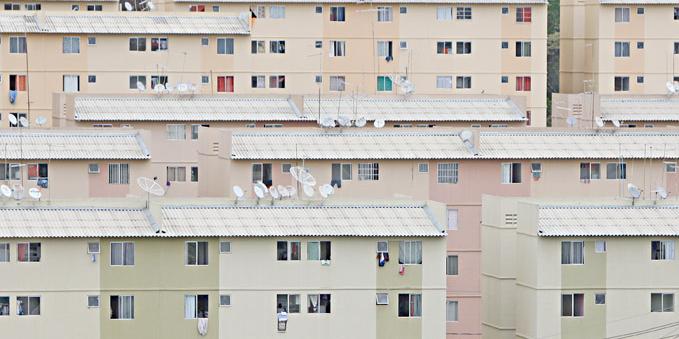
{"type": "Point", "coordinates": [202, 326]}
{"type": "Point", "coordinates": [12, 96]}
{"type": "Point", "coordinates": [381, 260]}
{"type": "Point", "coordinates": [402, 269]}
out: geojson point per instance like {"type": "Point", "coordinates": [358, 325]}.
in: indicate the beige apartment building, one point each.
{"type": "Point", "coordinates": [585, 269]}
{"type": "Point", "coordinates": [179, 267]}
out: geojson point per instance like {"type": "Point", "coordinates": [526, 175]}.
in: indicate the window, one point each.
{"type": "Point", "coordinates": [195, 306]}
{"type": "Point", "coordinates": [600, 298]}
{"type": "Point", "coordinates": [463, 82]}
{"type": "Point", "coordinates": [71, 45]}
{"type": "Point", "coordinates": [464, 13]}
{"type": "Point", "coordinates": [384, 14]}
{"type": "Point", "coordinates": [524, 14]}
{"type": "Point", "coordinates": [337, 13]}
{"type": "Point", "coordinates": [504, 44]}
{"type": "Point", "coordinates": [258, 81]}
{"type": "Point", "coordinates": [505, 10]}
{"type": "Point", "coordinates": [10, 172]}
{"type": "Point", "coordinates": [28, 306]}
{"type": "Point", "coordinates": [258, 46]}
{"type": "Point", "coordinates": [290, 303]}
{"type": "Point", "coordinates": [12, 7]}
{"type": "Point", "coordinates": [277, 46]}
{"type": "Point", "coordinates": [600, 246]}
{"type": "Point", "coordinates": [451, 310]}
{"type": "Point", "coordinates": [137, 79]}
{"type": "Point", "coordinates": [92, 79]}
{"type": "Point", "coordinates": [451, 265]}
{"type": "Point", "coordinates": [224, 46]}
{"type": "Point", "coordinates": [71, 83]}
{"type": "Point", "coordinates": [93, 248]}
{"type": "Point", "coordinates": [224, 247]}
{"type": "Point", "coordinates": [260, 12]}
{"type": "Point", "coordinates": [622, 14]}
{"type": "Point", "coordinates": [622, 49]}
{"type": "Point", "coordinates": [511, 173]}
{"type": "Point", "coordinates": [176, 173]}
{"type": "Point", "coordinates": [319, 303]}
{"type": "Point", "coordinates": [92, 301]}
{"type": "Point", "coordinates": [158, 80]}
{"type": "Point", "coordinates": [158, 44]}
{"type": "Point", "coordinates": [318, 44]}
{"type": "Point", "coordinates": [224, 300]}
{"type": "Point", "coordinates": [337, 83]}
{"type": "Point", "coordinates": [504, 79]}
{"type": "Point", "coordinates": [277, 81]}
{"type": "Point", "coordinates": [523, 49]}
{"type": "Point", "coordinates": [384, 83]}
{"type": "Point", "coordinates": [523, 84]}
{"type": "Point", "coordinates": [339, 173]}
{"type": "Point", "coordinates": [137, 44]}
{"type": "Point", "coordinates": [215, 8]}
{"type": "Point", "coordinates": [640, 45]}
{"type": "Point", "coordinates": [28, 252]}
{"type": "Point", "coordinates": [444, 81]}
{"type": "Point", "coordinates": [225, 84]}
{"type": "Point", "coordinates": [4, 306]}
{"type": "Point", "coordinates": [318, 250]}
{"type": "Point", "coordinates": [616, 170]}
{"type": "Point", "coordinates": [122, 307]}
{"type": "Point", "coordinates": [662, 302]}
{"type": "Point", "coordinates": [640, 10]}
{"type": "Point", "coordinates": [572, 253]}
{"type": "Point", "coordinates": [444, 13]}
{"type": "Point", "coordinates": [176, 132]}
{"type": "Point", "coordinates": [204, 41]}
{"type": "Point", "coordinates": [17, 44]}
{"type": "Point", "coordinates": [122, 254]}
{"type": "Point", "coordinates": [95, 8]}
{"type": "Point", "coordinates": [197, 8]}
{"type": "Point", "coordinates": [444, 47]}
{"type": "Point", "coordinates": [573, 305]}
{"type": "Point", "coordinates": [403, 44]}
{"type": "Point", "coordinates": [37, 171]}
{"type": "Point", "coordinates": [262, 172]}
{"type": "Point", "coordinates": [452, 218]}
{"type": "Point", "coordinates": [676, 13]}
{"type": "Point", "coordinates": [288, 250]}
{"type": "Point", "coordinates": [383, 247]}
{"type": "Point", "coordinates": [403, 10]}
{"type": "Point", "coordinates": [194, 130]}
{"type": "Point", "coordinates": [590, 171]}
{"type": "Point", "coordinates": [447, 173]}
{"type": "Point", "coordinates": [277, 12]}
{"type": "Point", "coordinates": [338, 48]}
{"type": "Point", "coordinates": [382, 299]}
{"type": "Point", "coordinates": [671, 167]}
{"type": "Point", "coordinates": [368, 171]}
{"type": "Point", "coordinates": [75, 8]}
{"type": "Point", "coordinates": [409, 305]}
{"type": "Point", "coordinates": [194, 173]}
{"type": "Point", "coordinates": [463, 47]}
{"type": "Point", "coordinates": [4, 252]}
{"type": "Point", "coordinates": [319, 9]}
{"type": "Point", "coordinates": [662, 250]}
{"type": "Point", "coordinates": [640, 79]}
{"type": "Point", "coordinates": [410, 252]}
{"type": "Point", "coordinates": [384, 49]}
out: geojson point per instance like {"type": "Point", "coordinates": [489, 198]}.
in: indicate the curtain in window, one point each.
{"type": "Point", "coordinates": [71, 83]}
{"type": "Point", "coordinates": [415, 305]}
{"type": "Point", "coordinates": [129, 253]}
{"type": "Point", "coordinates": [417, 255]}
{"type": "Point", "coordinates": [444, 13]}
{"type": "Point", "coordinates": [506, 173]}
{"type": "Point", "coordinates": [565, 252]}
{"type": "Point", "coordinates": [127, 311]}
{"type": "Point", "coordinates": [401, 252]}
{"type": "Point", "coordinates": [313, 303]}
{"type": "Point", "coordinates": [313, 250]}
{"type": "Point", "coordinates": [444, 82]}
{"type": "Point", "coordinates": [124, 174]}
{"type": "Point", "coordinates": [451, 311]}
{"type": "Point", "coordinates": [116, 254]}
{"type": "Point", "coordinates": [189, 306]}
{"type": "Point", "coordinates": [22, 250]}
{"type": "Point", "coordinates": [577, 252]}
{"type": "Point", "coordinates": [451, 265]}
{"type": "Point", "coordinates": [4, 252]}
{"type": "Point", "coordinates": [669, 250]}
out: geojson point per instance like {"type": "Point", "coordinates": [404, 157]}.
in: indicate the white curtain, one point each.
{"type": "Point", "coordinates": [506, 173]}
{"type": "Point", "coordinates": [189, 306]}
{"type": "Point", "coordinates": [127, 307]}
{"type": "Point", "coordinates": [577, 252]}
{"type": "Point", "coordinates": [669, 250]}
{"type": "Point", "coordinates": [71, 83]}
{"type": "Point", "coordinates": [444, 13]}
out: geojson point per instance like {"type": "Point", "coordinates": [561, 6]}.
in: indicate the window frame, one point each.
{"type": "Point", "coordinates": [197, 253]}
{"type": "Point", "coordinates": [123, 302]}
{"type": "Point", "coordinates": [414, 305]}
{"type": "Point", "coordinates": [123, 253]}
{"type": "Point", "coordinates": [570, 257]}
{"type": "Point", "coordinates": [123, 174]}
{"type": "Point", "coordinates": [447, 175]}
{"type": "Point", "coordinates": [30, 256]}
{"type": "Point", "coordinates": [405, 255]}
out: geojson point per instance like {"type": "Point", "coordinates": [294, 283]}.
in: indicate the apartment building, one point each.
{"type": "Point", "coordinates": [60, 5]}
{"type": "Point", "coordinates": [585, 269]}
{"type": "Point", "coordinates": [618, 47]}
{"type": "Point", "coordinates": [196, 269]}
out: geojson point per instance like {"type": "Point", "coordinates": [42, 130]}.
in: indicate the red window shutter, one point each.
{"type": "Point", "coordinates": [221, 84]}
{"type": "Point", "coordinates": [527, 15]}
{"type": "Point", "coordinates": [526, 85]}
{"type": "Point", "coordinates": [519, 84]}
{"type": "Point", "coordinates": [21, 83]}
{"type": "Point", "coordinates": [229, 84]}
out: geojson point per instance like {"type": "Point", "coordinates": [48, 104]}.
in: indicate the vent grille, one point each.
{"type": "Point", "coordinates": [510, 219]}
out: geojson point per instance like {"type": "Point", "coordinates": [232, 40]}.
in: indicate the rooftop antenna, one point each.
{"type": "Point", "coordinates": [326, 190]}
{"type": "Point", "coordinates": [360, 122]}
{"type": "Point", "coordinates": [671, 89]}
{"type": "Point", "coordinates": [378, 123]}
{"type": "Point", "coordinates": [467, 137]}
{"type": "Point", "coordinates": [328, 122]}
{"type": "Point", "coordinates": [35, 193]}
{"type": "Point", "coordinates": [661, 193]}
{"type": "Point", "coordinates": [283, 191]}
{"type": "Point", "coordinates": [273, 191]}
{"type": "Point", "coordinates": [151, 187]}
{"type": "Point", "coordinates": [302, 176]}
{"type": "Point", "coordinates": [309, 191]}
{"type": "Point", "coordinates": [13, 120]}
{"type": "Point", "coordinates": [128, 6]}
{"type": "Point", "coordinates": [634, 192]}
{"type": "Point", "coordinates": [40, 120]}
{"type": "Point", "coordinates": [599, 122]}
{"type": "Point", "coordinates": [6, 191]}
{"type": "Point", "coordinates": [344, 121]}
{"type": "Point", "coordinates": [238, 192]}
{"type": "Point", "coordinates": [292, 191]}
{"type": "Point", "coordinates": [616, 123]}
{"type": "Point", "coordinates": [260, 190]}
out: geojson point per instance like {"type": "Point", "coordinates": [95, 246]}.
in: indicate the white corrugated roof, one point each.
{"type": "Point", "coordinates": [608, 220]}
{"type": "Point", "coordinates": [638, 2]}
{"type": "Point", "coordinates": [185, 108]}
{"type": "Point", "coordinates": [442, 144]}
{"type": "Point", "coordinates": [639, 108]}
{"type": "Point", "coordinates": [109, 23]}
{"type": "Point", "coordinates": [368, 2]}
{"type": "Point", "coordinates": [414, 108]}
{"type": "Point", "coordinates": [57, 144]}
{"type": "Point", "coordinates": [76, 222]}
{"type": "Point", "coordinates": [360, 220]}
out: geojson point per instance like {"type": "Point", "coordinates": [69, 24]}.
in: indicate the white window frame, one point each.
{"type": "Point", "coordinates": [381, 298]}
{"type": "Point", "coordinates": [175, 131]}
{"type": "Point", "coordinates": [622, 14]}
{"type": "Point", "coordinates": [385, 14]}
{"type": "Point", "coordinates": [406, 254]}
{"type": "Point", "coordinates": [71, 45]}
{"type": "Point", "coordinates": [570, 258]}
{"type": "Point", "coordinates": [600, 246]}
{"type": "Point", "coordinates": [124, 302]}
{"type": "Point", "coordinates": [277, 12]}
{"type": "Point", "coordinates": [29, 300]}
{"type": "Point", "coordinates": [572, 305]}
{"type": "Point", "coordinates": [222, 245]}
{"type": "Point", "coordinates": [196, 251]}
{"type": "Point", "coordinates": [413, 299]}
{"type": "Point", "coordinates": [123, 174]}
{"type": "Point", "coordinates": [123, 253]}
{"type": "Point", "coordinates": [453, 218]}
{"type": "Point", "coordinates": [444, 13]}
{"type": "Point", "coordinates": [447, 172]}
{"type": "Point", "coordinates": [91, 298]}
{"type": "Point", "coordinates": [665, 250]}
{"type": "Point", "coordinates": [225, 300]}
{"type": "Point", "coordinates": [191, 300]}
{"type": "Point", "coordinates": [663, 307]}
{"type": "Point", "coordinates": [368, 171]}
{"type": "Point", "coordinates": [507, 173]}
{"type": "Point", "coordinates": [176, 173]}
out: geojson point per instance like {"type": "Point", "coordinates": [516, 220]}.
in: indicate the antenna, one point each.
{"type": "Point", "coordinates": [661, 192]}
{"type": "Point", "coordinates": [616, 123]}
{"type": "Point", "coordinates": [283, 191]}
{"type": "Point", "coordinates": [151, 187]}
{"type": "Point", "coordinates": [128, 6]}
{"type": "Point", "coordinates": [326, 190]}
{"type": "Point", "coordinates": [328, 122]}
{"type": "Point", "coordinates": [238, 192]}
{"type": "Point", "coordinates": [40, 120]}
{"type": "Point", "coordinates": [35, 193]}
{"type": "Point", "coordinates": [13, 120]}
{"type": "Point", "coordinates": [671, 89]}
{"type": "Point", "coordinates": [260, 191]}
{"type": "Point", "coordinates": [159, 88]}
{"type": "Point", "coordinates": [292, 191]}
{"type": "Point", "coordinates": [274, 192]}
{"type": "Point", "coordinates": [467, 137]}
{"type": "Point", "coordinates": [344, 121]}
{"type": "Point", "coordinates": [599, 122]}
{"type": "Point", "coordinates": [360, 122]}
{"type": "Point", "coordinates": [634, 192]}
{"type": "Point", "coordinates": [303, 176]}
{"type": "Point", "coordinates": [378, 123]}
{"type": "Point", "coordinates": [6, 191]}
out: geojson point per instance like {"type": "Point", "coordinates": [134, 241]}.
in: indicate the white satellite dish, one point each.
{"type": "Point", "coordinates": [141, 86]}
{"type": "Point", "coordinates": [182, 87]}
{"type": "Point", "coordinates": [599, 122]}
{"type": "Point", "coordinates": [150, 186]}
{"type": "Point", "coordinates": [6, 191]}
{"type": "Point", "coordinates": [13, 119]}
{"type": "Point", "coordinates": [258, 191]}
{"type": "Point", "coordinates": [616, 123]}
{"type": "Point", "coordinates": [40, 120]}
{"type": "Point", "coordinates": [159, 88]}
{"type": "Point", "coordinates": [360, 122]}
{"type": "Point", "coordinates": [328, 122]}
{"type": "Point", "coordinates": [292, 191]}
{"type": "Point", "coordinates": [23, 121]}
{"type": "Point", "coordinates": [344, 121]}
{"type": "Point", "coordinates": [238, 192]}
{"type": "Point", "coordinates": [670, 88]}
{"type": "Point", "coordinates": [128, 6]}
{"type": "Point", "coordinates": [302, 175]}
{"type": "Point", "coordinates": [274, 192]}
{"type": "Point", "coordinates": [379, 123]}
{"type": "Point", "coordinates": [35, 193]}
{"type": "Point", "coordinates": [169, 87]}
{"type": "Point", "coordinates": [661, 192]}
{"type": "Point", "coordinates": [283, 191]}
{"type": "Point", "coordinates": [633, 190]}
{"type": "Point", "coordinates": [18, 192]}
{"type": "Point", "coordinates": [308, 191]}
{"type": "Point", "coordinates": [571, 121]}
{"type": "Point", "coordinates": [466, 135]}
{"type": "Point", "coordinates": [326, 190]}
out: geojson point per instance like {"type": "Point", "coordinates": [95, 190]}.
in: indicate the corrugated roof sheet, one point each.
{"type": "Point", "coordinates": [57, 144]}
{"type": "Point", "coordinates": [185, 108]}
{"type": "Point", "coordinates": [608, 221]}
{"type": "Point", "coordinates": [328, 220]}
{"type": "Point", "coordinates": [637, 2]}
{"type": "Point", "coordinates": [441, 144]}
{"type": "Point", "coordinates": [56, 222]}
{"type": "Point", "coordinates": [109, 23]}
{"type": "Point", "coordinates": [414, 108]}
{"type": "Point", "coordinates": [639, 108]}
{"type": "Point", "coordinates": [388, 1]}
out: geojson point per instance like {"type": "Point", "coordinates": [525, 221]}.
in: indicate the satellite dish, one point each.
{"type": "Point", "coordinates": [238, 192]}
{"type": "Point", "coordinates": [344, 121]}
{"type": "Point", "coordinates": [360, 122]}
{"type": "Point", "coordinates": [599, 122]}
{"type": "Point", "coordinates": [303, 176]}
{"type": "Point", "coordinates": [182, 87]}
{"type": "Point", "coordinates": [159, 88]}
{"type": "Point", "coordinates": [35, 193]}
{"type": "Point", "coordinates": [661, 192]}
{"type": "Point", "coordinates": [128, 6]}
{"type": "Point", "coordinates": [616, 123]}
{"type": "Point", "coordinates": [169, 87]}
{"type": "Point", "coordinates": [633, 190]}
{"type": "Point", "coordinates": [379, 123]}
{"type": "Point", "coordinates": [326, 190]}
{"type": "Point", "coordinates": [13, 119]}
{"type": "Point", "coordinates": [328, 122]}
{"type": "Point", "coordinates": [308, 191]}
{"type": "Point", "coordinates": [141, 86]}
{"type": "Point", "coordinates": [258, 192]}
{"type": "Point", "coordinates": [670, 87]}
{"type": "Point", "coordinates": [292, 191]}
{"type": "Point", "coordinates": [283, 191]}
{"type": "Point", "coordinates": [274, 192]}
{"type": "Point", "coordinates": [150, 6]}
{"type": "Point", "coordinates": [571, 121]}
{"type": "Point", "coordinates": [23, 121]}
{"type": "Point", "coordinates": [150, 186]}
{"type": "Point", "coordinates": [466, 135]}
{"type": "Point", "coordinates": [6, 191]}
{"type": "Point", "coordinates": [40, 120]}
{"type": "Point", "coordinates": [18, 191]}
